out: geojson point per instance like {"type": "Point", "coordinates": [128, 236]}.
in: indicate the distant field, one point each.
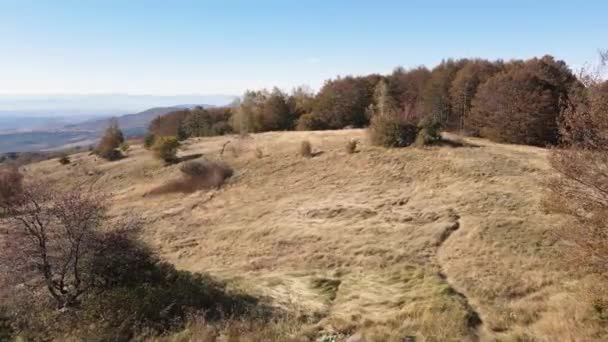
{"type": "Point", "coordinates": [42, 141]}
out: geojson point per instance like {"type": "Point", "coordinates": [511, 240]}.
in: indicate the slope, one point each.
{"type": "Point", "coordinates": [442, 243]}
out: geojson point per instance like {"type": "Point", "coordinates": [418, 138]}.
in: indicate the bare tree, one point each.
{"type": "Point", "coordinates": [50, 237]}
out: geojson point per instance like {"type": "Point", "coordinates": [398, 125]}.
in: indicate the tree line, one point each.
{"type": "Point", "coordinates": [518, 101]}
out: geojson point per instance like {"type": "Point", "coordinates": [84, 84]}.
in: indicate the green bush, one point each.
{"type": "Point", "coordinates": [149, 141]}
{"type": "Point", "coordinates": [109, 153]}
{"type": "Point", "coordinates": [429, 131]}
{"type": "Point", "coordinates": [64, 160]}
{"type": "Point", "coordinates": [165, 148]}
{"type": "Point", "coordinates": [391, 131]}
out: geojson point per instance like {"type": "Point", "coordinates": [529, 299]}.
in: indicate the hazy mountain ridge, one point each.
{"type": "Point", "coordinates": [54, 134]}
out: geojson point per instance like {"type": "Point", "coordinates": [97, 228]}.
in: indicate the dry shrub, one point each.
{"type": "Point", "coordinates": [306, 149]}
{"type": "Point", "coordinates": [259, 153]}
{"type": "Point", "coordinates": [11, 184]}
{"type": "Point", "coordinates": [110, 141]}
{"type": "Point", "coordinates": [581, 190]}
{"type": "Point", "coordinates": [392, 131]}
{"type": "Point", "coordinates": [64, 160]}
{"type": "Point", "coordinates": [351, 146]}
{"type": "Point", "coordinates": [197, 175]}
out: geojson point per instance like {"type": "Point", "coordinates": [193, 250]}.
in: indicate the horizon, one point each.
{"type": "Point", "coordinates": [193, 48]}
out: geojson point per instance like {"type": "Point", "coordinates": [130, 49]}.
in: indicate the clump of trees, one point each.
{"type": "Point", "coordinates": [196, 122]}
{"type": "Point", "coordinates": [523, 104]}
{"type": "Point", "coordinates": [108, 147]}
{"type": "Point", "coordinates": [519, 101]}
{"type": "Point", "coordinates": [341, 103]}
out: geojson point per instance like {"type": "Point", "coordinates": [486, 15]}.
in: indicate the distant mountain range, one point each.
{"type": "Point", "coordinates": [131, 124]}
{"type": "Point", "coordinates": [45, 134]}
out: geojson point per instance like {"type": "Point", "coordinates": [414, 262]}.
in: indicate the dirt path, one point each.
{"type": "Point", "coordinates": [474, 320]}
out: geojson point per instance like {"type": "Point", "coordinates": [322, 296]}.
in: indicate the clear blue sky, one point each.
{"type": "Point", "coordinates": [226, 46]}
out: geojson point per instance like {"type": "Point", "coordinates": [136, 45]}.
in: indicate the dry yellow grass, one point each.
{"type": "Point", "coordinates": [441, 243]}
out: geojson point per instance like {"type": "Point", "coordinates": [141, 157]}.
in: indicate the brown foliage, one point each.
{"type": "Point", "coordinates": [522, 105]}
{"type": "Point", "coordinates": [584, 121]}
{"type": "Point", "coordinates": [11, 185]}
{"type": "Point", "coordinates": [408, 86]}
{"type": "Point", "coordinates": [581, 190]}
{"type": "Point", "coordinates": [342, 102]}
{"type": "Point", "coordinates": [110, 142]}
{"type": "Point", "coordinates": [464, 87]}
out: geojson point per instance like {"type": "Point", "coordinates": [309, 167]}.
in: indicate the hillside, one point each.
{"type": "Point", "coordinates": [79, 134]}
{"type": "Point", "coordinates": [132, 124]}
{"type": "Point", "coordinates": [445, 243]}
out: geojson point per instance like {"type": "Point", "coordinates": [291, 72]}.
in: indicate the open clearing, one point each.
{"type": "Point", "coordinates": [442, 243]}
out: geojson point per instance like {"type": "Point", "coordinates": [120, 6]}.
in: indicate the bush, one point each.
{"type": "Point", "coordinates": [124, 146]}
{"type": "Point", "coordinates": [110, 154]}
{"type": "Point", "coordinates": [197, 175]}
{"type": "Point", "coordinates": [149, 141]}
{"type": "Point", "coordinates": [11, 184]}
{"type": "Point", "coordinates": [429, 131]}
{"type": "Point", "coordinates": [207, 174]}
{"type": "Point", "coordinates": [134, 293]}
{"type": "Point", "coordinates": [306, 149]}
{"type": "Point", "coordinates": [165, 148]}
{"type": "Point", "coordinates": [391, 131]}
{"type": "Point", "coordinates": [110, 141]}
{"type": "Point", "coordinates": [351, 146]}
{"type": "Point", "coordinates": [64, 160]}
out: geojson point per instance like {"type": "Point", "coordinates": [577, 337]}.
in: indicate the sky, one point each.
{"type": "Point", "coordinates": [180, 47]}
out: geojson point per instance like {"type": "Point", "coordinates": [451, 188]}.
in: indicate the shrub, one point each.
{"type": "Point", "coordinates": [11, 184]}
{"type": "Point", "coordinates": [110, 141]}
{"type": "Point", "coordinates": [429, 131]}
{"type": "Point", "coordinates": [124, 146]}
{"type": "Point", "coordinates": [165, 148]}
{"type": "Point", "coordinates": [351, 146]}
{"type": "Point", "coordinates": [149, 140]}
{"type": "Point", "coordinates": [259, 153]}
{"type": "Point", "coordinates": [391, 131]}
{"type": "Point", "coordinates": [206, 174]}
{"type": "Point", "coordinates": [64, 160]}
{"type": "Point", "coordinates": [197, 175]}
{"type": "Point", "coordinates": [306, 149]}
